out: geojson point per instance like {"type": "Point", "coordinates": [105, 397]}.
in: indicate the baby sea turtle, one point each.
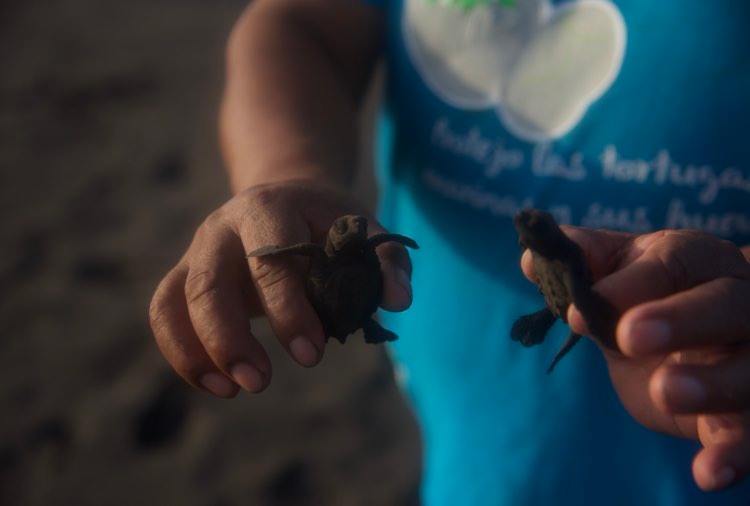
{"type": "Point", "coordinates": [344, 281]}
{"type": "Point", "coordinates": [564, 278]}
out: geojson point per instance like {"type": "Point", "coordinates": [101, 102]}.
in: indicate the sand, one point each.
{"type": "Point", "coordinates": [108, 162]}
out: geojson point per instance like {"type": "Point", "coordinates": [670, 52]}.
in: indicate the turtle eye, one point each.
{"type": "Point", "coordinates": [341, 227]}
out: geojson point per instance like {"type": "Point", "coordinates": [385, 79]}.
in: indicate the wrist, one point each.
{"type": "Point", "coordinates": [286, 162]}
{"type": "Point", "coordinates": [274, 147]}
{"type": "Point", "coordinates": [241, 180]}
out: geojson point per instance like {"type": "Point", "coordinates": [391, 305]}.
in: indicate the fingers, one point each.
{"type": "Point", "coordinates": [200, 312]}
{"type": "Point", "coordinates": [280, 280]}
{"type": "Point", "coordinates": [657, 265]}
{"type": "Point", "coordinates": [281, 286]}
{"type": "Point", "coordinates": [396, 266]}
{"type": "Point", "coordinates": [671, 277]}
{"type": "Point", "coordinates": [527, 266]}
{"type": "Point", "coordinates": [217, 309]}
{"type": "Point", "coordinates": [200, 321]}
{"type": "Point", "coordinates": [725, 458]}
{"type": "Point", "coordinates": [178, 341]}
{"type": "Point", "coordinates": [284, 215]}
{"type": "Point", "coordinates": [712, 314]}
{"type": "Point", "coordinates": [720, 383]}
{"type": "Point", "coordinates": [685, 329]}
{"type": "Point", "coordinates": [604, 250]}
{"type": "Point", "coordinates": [718, 391]}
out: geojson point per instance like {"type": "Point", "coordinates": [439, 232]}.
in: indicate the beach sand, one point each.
{"type": "Point", "coordinates": [108, 163]}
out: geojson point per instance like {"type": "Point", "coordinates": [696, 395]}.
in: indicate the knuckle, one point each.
{"type": "Point", "coordinates": [269, 274]}
{"type": "Point", "coordinates": [257, 205]}
{"type": "Point", "coordinates": [201, 289]}
{"type": "Point", "coordinates": [278, 286]}
{"type": "Point", "coordinates": [676, 270]}
{"type": "Point", "coordinates": [206, 230]}
{"type": "Point", "coordinates": [259, 198]}
{"type": "Point", "coordinates": [686, 255]}
{"type": "Point", "coordinates": [214, 221]}
{"type": "Point", "coordinates": [157, 313]}
{"type": "Point", "coordinates": [264, 196]}
{"type": "Point", "coordinates": [161, 304]}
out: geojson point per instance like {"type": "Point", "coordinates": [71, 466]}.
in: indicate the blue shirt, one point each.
{"type": "Point", "coordinates": [626, 115]}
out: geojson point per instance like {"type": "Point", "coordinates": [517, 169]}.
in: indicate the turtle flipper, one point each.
{"type": "Point", "coordinates": [306, 248]}
{"type": "Point", "coordinates": [378, 239]}
{"type": "Point", "coordinates": [376, 334]}
{"type": "Point", "coordinates": [532, 328]}
{"type": "Point", "coordinates": [564, 349]}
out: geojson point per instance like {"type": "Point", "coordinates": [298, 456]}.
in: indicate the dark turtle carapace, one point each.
{"type": "Point", "coordinates": [564, 278]}
{"type": "Point", "coordinates": [344, 281]}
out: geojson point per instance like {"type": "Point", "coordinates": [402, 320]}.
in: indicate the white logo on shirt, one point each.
{"type": "Point", "coordinates": [538, 65]}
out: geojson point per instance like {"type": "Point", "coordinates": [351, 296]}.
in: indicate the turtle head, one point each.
{"type": "Point", "coordinates": [537, 229]}
{"type": "Point", "coordinates": [348, 232]}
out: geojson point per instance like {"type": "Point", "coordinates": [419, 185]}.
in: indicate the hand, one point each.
{"type": "Point", "coordinates": [684, 338]}
{"type": "Point", "coordinates": [200, 311]}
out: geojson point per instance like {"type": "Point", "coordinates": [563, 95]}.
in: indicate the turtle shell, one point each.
{"type": "Point", "coordinates": [345, 291]}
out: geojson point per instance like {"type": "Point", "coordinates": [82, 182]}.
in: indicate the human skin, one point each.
{"type": "Point", "coordinates": [683, 364]}
{"type": "Point", "coordinates": [296, 72]}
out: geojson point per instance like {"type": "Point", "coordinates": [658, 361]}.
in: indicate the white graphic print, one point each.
{"type": "Point", "coordinates": [538, 65]}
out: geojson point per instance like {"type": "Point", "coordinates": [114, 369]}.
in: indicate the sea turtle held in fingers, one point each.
{"type": "Point", "coordinates": [564, 278]}
{"type": "Point", "coordinates": [344, 282]}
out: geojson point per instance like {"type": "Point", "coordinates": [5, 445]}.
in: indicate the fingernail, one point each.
{"type": "Point", "coordinates": [685, 392]}
{"type": "Point", "coordinates": [304, 351]}
{"type": "Point", "coordinates": [248, 377]}
{"type": "Point", "coordinates": [648, 336]}
{"type": "Point", "coordinates": [724, 477]}
{"type": "Point", "coordinates": [217, 384]}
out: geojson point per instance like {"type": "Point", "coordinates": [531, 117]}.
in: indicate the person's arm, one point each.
{"type": "Point", "coordinates": [297, 71]}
